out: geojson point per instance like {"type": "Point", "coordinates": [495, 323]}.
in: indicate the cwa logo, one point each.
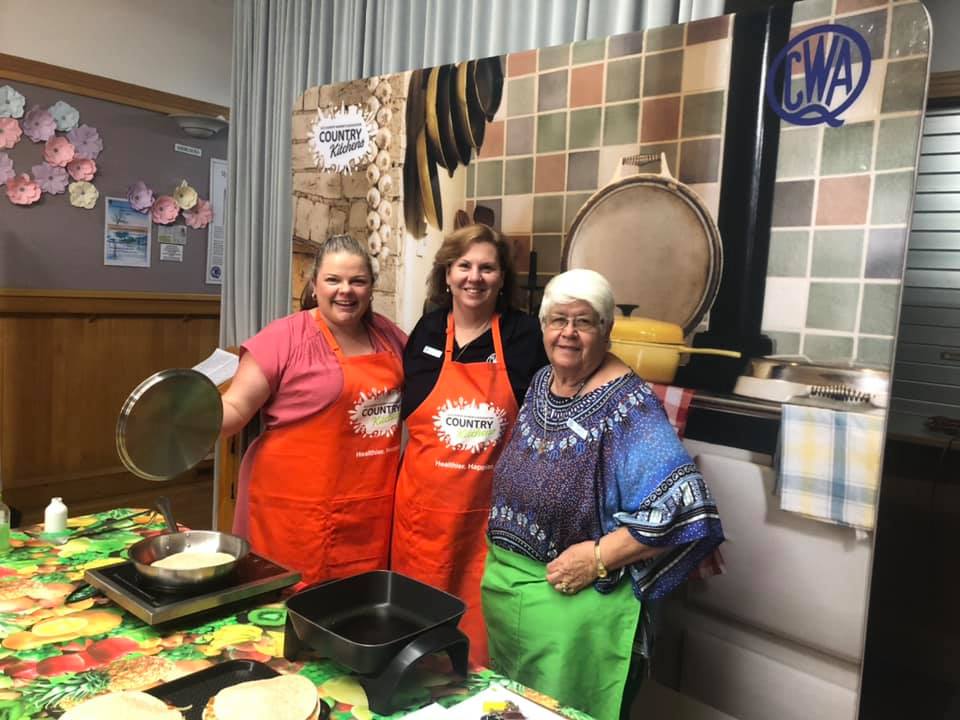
{"type": "Point", "coordinates": [824, 70]}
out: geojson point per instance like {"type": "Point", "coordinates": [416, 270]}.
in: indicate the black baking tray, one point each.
{"type": "Point", "coordinates": [195, 689]}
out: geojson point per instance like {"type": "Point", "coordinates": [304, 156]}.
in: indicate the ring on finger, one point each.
{"type": "Point", "coordinates": [563, 587]}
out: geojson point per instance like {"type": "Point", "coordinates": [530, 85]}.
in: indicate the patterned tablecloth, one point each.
{"type": "Point", "coordinates": [54, 655]}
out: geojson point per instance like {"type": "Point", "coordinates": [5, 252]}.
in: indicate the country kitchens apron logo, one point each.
{"type": "Point", "coordinates": [376, 414]}
{"type": "Point", "coordinates": [341, 140]}
{"type": "Point", "coordinates": [469, 426]}
{"type": "Point", "coordinates": [823, 71]}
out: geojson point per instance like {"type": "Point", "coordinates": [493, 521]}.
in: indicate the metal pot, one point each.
{"type": "Point", "coordinates": [151, 549]}
{"type": "Point", "coordinates": [654, 239]}
{"type": "Point", "coordinates": [653, 347]}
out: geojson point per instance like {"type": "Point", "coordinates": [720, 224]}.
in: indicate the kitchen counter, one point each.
{"type": "Point", "coordinates": [55, 655]}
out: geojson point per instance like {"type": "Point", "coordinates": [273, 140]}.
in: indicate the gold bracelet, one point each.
{"type": "Point", "coordinates": [601, 568]}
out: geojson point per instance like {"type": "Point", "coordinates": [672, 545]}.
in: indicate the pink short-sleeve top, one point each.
{"type": "Point", "coordinates": [301, 368]}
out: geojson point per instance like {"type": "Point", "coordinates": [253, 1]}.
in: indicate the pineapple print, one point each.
{"type": "Point", "coordinates": [66, 691]}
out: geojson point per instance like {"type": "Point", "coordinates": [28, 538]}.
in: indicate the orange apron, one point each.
{"type": "Point", "coordinates": [321, 489]}
{"type": "Point", "coordinates": [444, 488]}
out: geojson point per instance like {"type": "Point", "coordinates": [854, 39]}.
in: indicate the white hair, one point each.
{"type": "Point", "coordinates": [586, 285]}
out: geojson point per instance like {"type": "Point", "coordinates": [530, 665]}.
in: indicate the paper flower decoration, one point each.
{"type": "Point", "coordinates": [10, 132]}
{"type": "Point", "coordinates": [82, 169]}
{"type": "Point", "coordinates": [52, 180]}
{"type": "Point", "coordinates": [11, 102]}
{"type": "Point", "coordinates": [164, 210]}
{"type": "Point", "coordinates": [87, 141]}
{"type": "Point", "coordinates": [6, 168]}
{"type": "Point", "coordinates": [83, 195]}
{"type": "Point", "coordinates": [22, 190]}
{"type": "Point", "coordinates": [38, 124]}
{"type": "Point", "coordinates": [185, 196]}
{"type": "Point", "coordinates": [66, 116]}
{"type": "Point", "coordinates": [199, 216]}
{"type": "Point", "coordinates": [58, 151]}
{"type": "Point", "coordinates": [140, 196]}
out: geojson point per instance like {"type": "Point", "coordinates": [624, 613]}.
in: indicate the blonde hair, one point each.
{"type": "Point", "coordinates": [586, 285]}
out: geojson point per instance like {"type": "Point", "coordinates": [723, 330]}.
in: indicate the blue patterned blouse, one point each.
{"type": "Point", "coordinates": [577, 468]}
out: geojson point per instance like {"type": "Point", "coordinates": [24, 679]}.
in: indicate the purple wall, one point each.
{"type": "Point", "coordinates": [53, 245]}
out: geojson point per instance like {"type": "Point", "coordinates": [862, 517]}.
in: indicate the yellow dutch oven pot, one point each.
{"type": "Point", "coordinates": [653, 347]}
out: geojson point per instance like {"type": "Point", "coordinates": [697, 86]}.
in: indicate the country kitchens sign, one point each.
{"type": "Point", "coordinates": [822, 71]}
{"type": "Point", "coordinates": [342, 139]}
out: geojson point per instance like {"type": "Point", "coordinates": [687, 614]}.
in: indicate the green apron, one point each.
{"type": "Point", "coordinates": [575, 648]}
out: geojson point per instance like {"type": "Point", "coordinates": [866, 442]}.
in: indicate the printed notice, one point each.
{"type": "Point", "coordinates": [172, 235]}
{"type": "Point", "coordinates": [170, 252]}
{"type": "Point", "coordinates": [217, 229]}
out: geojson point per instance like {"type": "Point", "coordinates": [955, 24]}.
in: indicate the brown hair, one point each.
{"type": "Point", "coordinates": [455, 245]}
{"type": "Point", "coordinates": [332, 245]}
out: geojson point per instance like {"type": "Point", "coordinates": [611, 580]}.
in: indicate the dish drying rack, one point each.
{"type": "Point", "coordinates": [838, 386]}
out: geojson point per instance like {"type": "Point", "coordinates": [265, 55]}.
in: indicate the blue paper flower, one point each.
{"type": "Point", "coordinates": [11, 102]}
{"type": "Point", "coordinates": [66, 115]}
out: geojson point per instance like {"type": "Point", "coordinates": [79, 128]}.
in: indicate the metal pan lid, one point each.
{"type": "Point", "coordinates": [655, 241]}
{"type": "Point", "coordinates": [169, 423]}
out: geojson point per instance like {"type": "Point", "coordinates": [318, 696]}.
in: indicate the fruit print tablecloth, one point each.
{"type": "Point", "coordinates": [54, 655]}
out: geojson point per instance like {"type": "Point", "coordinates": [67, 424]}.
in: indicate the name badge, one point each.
{"type": "Point", "coordinates": [578, 429]}
{"type": "Point", "coordinates": [432, 351]}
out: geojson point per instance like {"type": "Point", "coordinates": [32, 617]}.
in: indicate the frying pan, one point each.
{"type": "Point", "coordinates": [169, 423]}
{"type": "Point", "coordinates": [488, 76]}
{"type": "Point", "coordinates": [451, 151]}
{"type": "Point", "coordinates": [412, 197]}
{"type": "Point", "coordinates": [378, 624]}
{"type": "Point", "coordinates": [151, 549]}
{"type": "Point", "coordinates": [429, 183]}
{"type": "Point", "coordinates": [468, 118]}
{"type": "Point", "coordinates": [664, 228]}
{"type": "Point", "coordinates": [461, 135]}
{"type": "Point", "coordinates": [436, 149]}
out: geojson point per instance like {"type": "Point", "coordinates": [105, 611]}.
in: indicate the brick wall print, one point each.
{"type": "Point", "coordinates": [843, 196]}
{"type": "Point", "coordinates": [327, 203]}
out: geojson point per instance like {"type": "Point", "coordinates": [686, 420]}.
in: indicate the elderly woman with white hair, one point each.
{"type": "Point", "coordinates": [596, 509]}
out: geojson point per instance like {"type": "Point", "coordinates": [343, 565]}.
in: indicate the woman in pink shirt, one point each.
{"type": "Point", "coordinates": [316, 489]}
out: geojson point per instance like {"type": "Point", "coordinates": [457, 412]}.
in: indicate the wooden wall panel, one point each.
{"type": "Point", "coordinates": [64, 375]}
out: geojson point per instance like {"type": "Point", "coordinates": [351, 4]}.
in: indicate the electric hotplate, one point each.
{"type": "Point", "coordinates": [252, 577]}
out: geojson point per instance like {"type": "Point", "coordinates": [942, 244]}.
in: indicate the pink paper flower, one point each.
{"type": "Point", "coordinates": [10, 132]}
{"type": "Point", "coordinates": [52, 180]}
{"type": "Point", "coordinates": [83, 195]}
{"type": "Point", "coordinates": [140, 196]}
{"type": "Point", "coordinates": [200, 216]}
{"type": "Point", "coordinates": [22, 190]}
{"type": "Point", "coordinates": [39, 124]}
{"type": "Point", "coordinates": [6, 168]}
{"type": "Point", "coordinates": [164, 210]}
{"type": "Point", "coordinates": [82, 169]}
{"type": "Point", "coordinates": [58, 151]}
{"type": "Point", "coordinates": [87, 142]}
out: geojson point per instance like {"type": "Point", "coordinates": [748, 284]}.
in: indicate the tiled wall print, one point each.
{"type": "Point", "coordinates": [843, 196]}
{"type": "Point", "coordinates": [570, 113]}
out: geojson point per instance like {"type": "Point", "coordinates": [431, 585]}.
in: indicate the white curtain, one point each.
{"type": "Point", "coordinates": [283, 47]}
